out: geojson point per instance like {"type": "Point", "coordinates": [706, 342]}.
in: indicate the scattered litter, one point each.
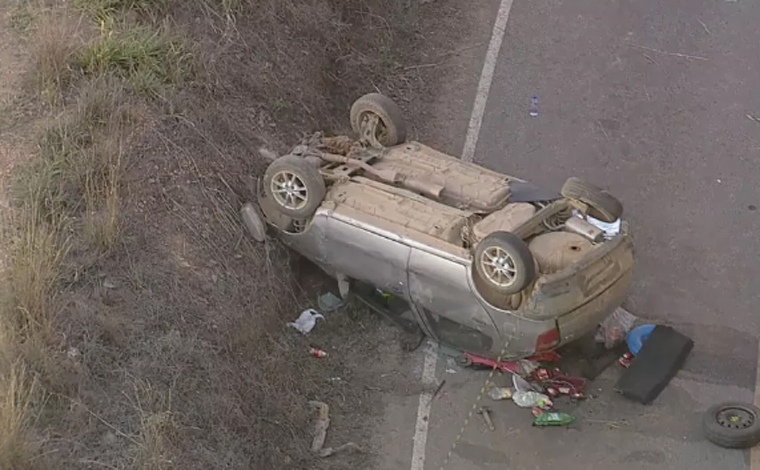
{"type": "Point", "coordinates": [532, 399]}
{"type": "Point", "coordinates": [320, 433]}
{"type": "Point", "coordinates": [626, 359]}
{"type": "Point", "coordinates": [551, 418]}
{"type": "Point", "coordinates": [316, 352]}
{"type": "Point", "coordinates": [635, 339]}
{"type": "Point", "coordinates": [486, 413]}
{"type": "Point", "coordinates": [520, 384]}
{"type": "Point", "coordinates": [323, 422]}
{"type": "Point", "coordinates": [329, 302]}
{"type": "Point", "coordinates": [334, 379]}
{"type": "Point", "coordinates": [108, 284]}
{"type": "Point", "coordinates": [500, 393]}
{"type": "Point", "coordinates": [437, 390]}
{"type": "Point", "coordinates": [556, 383]}
{"type": "Point", "coordinates": [451, 371]}
{"type": "Point", "coordinates": [752, 117]}
{"type": "Point", "coordinates": [305, 323]}
{"type": "Point", "coordinates": [533, 110]}
{"type": "Point", "coordinates": [615, 328]}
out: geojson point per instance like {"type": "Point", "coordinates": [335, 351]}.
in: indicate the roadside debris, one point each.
{"type": "Point", "coordinates": [499, 393]}
{"type": "Point", "coordinates": [732, 425]}
{"type": "Point", "coordinates": [437, 390]}
{"type": "Point", "coordinates": [306, 322]}
{"type": "Point", "coordinates": [637, 337]}
{"type": "Point", "coordinates": [486, 413]}
{"type": "Point", "coordinates": [658, 360]}
{"type": "Point", "coordinates": [533, 109]}
{"type": "Point", "coordinates": [320, 433]}
{"type": "Point", "coordinates": [615, 328]}
{"type": "Point", "coordinates": [532, 399]}
{"type": "Point", "coordinates": [328, 302]}
{"type": "Point", "coordinates": [316, 352]}
{"type": "Point", "coordinates": [551, 418]}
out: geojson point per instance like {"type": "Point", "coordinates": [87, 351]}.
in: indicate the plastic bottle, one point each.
{"type": "Point", "coordinates": [533, 106]}
{"type": "Point", "coordinates": [500, 393]}
{"type": "Point", "coordinates": [531, 399]}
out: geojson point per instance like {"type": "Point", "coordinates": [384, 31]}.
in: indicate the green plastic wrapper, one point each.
{"type": "Point", "coordinates": [553, 418]}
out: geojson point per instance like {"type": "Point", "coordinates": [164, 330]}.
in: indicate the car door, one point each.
{"type": "Point", "coordinates": [440, 291]}
{"type": "Point", "coordinates": [368, 256]}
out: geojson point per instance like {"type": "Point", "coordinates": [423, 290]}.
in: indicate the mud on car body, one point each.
{"type": "Point", "coordinates": [481, 261]}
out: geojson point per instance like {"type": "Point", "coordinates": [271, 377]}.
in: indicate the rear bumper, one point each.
{"type": "Point", "coordinates": [586, 318]}
{"type": "Point", "coordinates": [562, 293]}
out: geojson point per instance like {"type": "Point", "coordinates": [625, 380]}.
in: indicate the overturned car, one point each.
{"type": "Point", "coordinates": [475, 259]}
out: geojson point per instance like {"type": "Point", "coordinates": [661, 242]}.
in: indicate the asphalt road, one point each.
{"type": "Point", "coordinates": [649, 99]}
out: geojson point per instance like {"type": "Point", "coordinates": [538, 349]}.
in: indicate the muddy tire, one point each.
{"type": "Point", "coordinates": [602, 205]}
{"type": "Point", "coordinates": [392, 127]}
{"type": "Point", "coordinates": [732, 425]}
{"type": "Point", "coordinates": [295, 186]}
{"type": "Point", "coordinates": [504, 263]}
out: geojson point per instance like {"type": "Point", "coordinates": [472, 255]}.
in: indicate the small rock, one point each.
{"type": "Point", "coordinates": [108, 284]}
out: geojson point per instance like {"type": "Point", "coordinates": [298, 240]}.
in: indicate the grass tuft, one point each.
{"type": "Point", "coordinates": [106, 8]}
{"type": "Point", "coordinates": [18, 396]}
{"type": "Point", "coordinates": [146, 58]}
{"type": "Point", "coordinates": [54, 45]}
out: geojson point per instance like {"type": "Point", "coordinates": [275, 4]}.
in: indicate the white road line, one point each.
{"type": "Point", "coordinates": [468, 154]}
{"type": "Point", "coordinates": [423, 409]}
{"type": "Point", "coordinates": [486, 77]}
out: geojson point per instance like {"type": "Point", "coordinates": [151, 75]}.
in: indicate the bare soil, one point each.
{"type": "Point", "coordinates": [170, 350]}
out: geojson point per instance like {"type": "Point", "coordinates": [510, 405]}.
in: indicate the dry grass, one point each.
{"type": "Point", "coordinates": [133, 295]}
{"type": "Point", "coordinates": [18, 411]}
{"type": "Point", "coordinates": [55, 43]}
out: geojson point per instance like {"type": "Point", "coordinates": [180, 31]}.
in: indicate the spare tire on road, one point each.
{"type": "Point", "coordinates": [733, 425]}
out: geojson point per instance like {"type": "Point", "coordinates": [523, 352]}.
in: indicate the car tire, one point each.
{"type": "Point", "coordinates": [393, 131]}
{"type": "Point", "coordinates": [504, 263]}
{"type": "Point", "coordinates": [720, 429]}
{"type": "Point", "coordinates": [295, 186]}
{"type": "Point", "coordinates": [602, 205]}
{"type": "Point", "coordinates": [254, 221]}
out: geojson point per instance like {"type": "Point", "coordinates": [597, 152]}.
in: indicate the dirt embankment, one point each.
{"type": "Point", "coordinates": [140, 326]}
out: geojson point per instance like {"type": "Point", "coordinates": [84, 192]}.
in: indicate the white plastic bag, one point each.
{"type": "Point", "coordinates": [305, 323]}
{"type": "Point", "coordinates": [615, 328]}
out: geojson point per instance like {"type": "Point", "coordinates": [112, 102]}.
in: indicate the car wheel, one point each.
{"type": "Point", "coordinates": [602, 205]}
{"type": "Point", "coordinates": [254, 221]}
{"type": "Point", "coordinates": [295, 186]}
{"type": "Point", "coordinates": [505, 263]}
{"type": "Point", "coordinates": [733, 425]}
{"type": "Point", "coordinates": [391, 128]}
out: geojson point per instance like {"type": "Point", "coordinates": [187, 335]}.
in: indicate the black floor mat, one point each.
{"type": "Point", "coordinates": [660, 358]}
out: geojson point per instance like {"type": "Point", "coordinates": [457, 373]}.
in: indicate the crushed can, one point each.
{"type": "Point", "coordinates": [626, 359]}
{"type": "Point", "coordinates": [316, 352]}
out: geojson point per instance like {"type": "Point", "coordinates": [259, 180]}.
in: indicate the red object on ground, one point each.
{"type": "Point", "coordinates": [626, 359]}
{"type": "Point", "coordinates": [556, 381]}
{"type": "Point", "coordinates": [510, 366]}
{"type": "Point", "coordinates": [317, 352]}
